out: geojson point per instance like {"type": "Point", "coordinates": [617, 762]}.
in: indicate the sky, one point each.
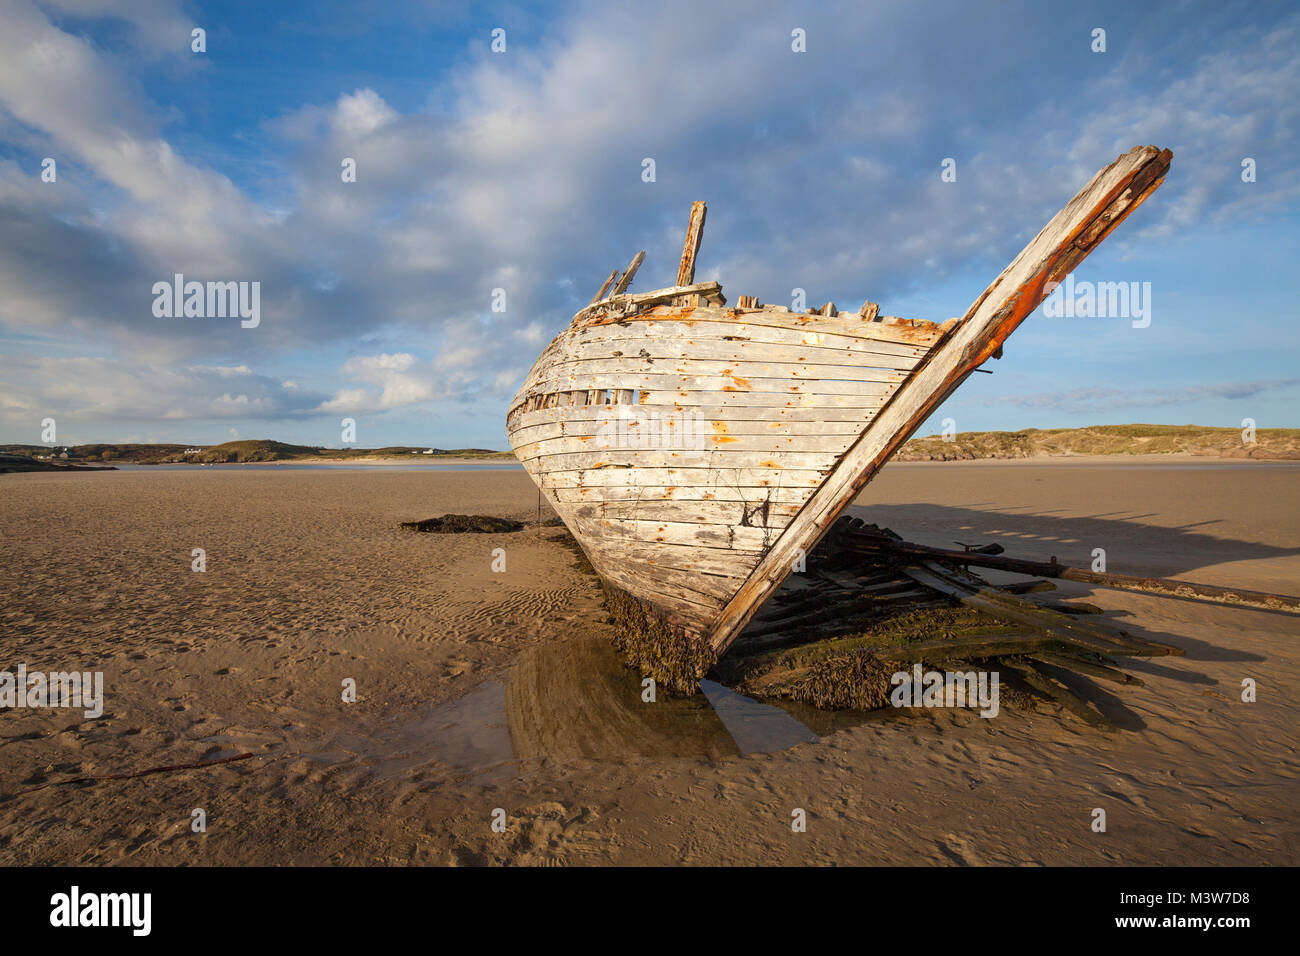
{"type": "Point", "coordinates": [523, 170]}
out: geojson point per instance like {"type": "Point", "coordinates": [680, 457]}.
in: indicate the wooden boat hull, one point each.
{"type": "Point", "coordinates": [698, 452]}
{"type": "Point", "coordinates": [723, 422]}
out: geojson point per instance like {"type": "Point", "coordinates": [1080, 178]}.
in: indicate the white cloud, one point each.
{"type": "Point", "coordinates": [524, 173]}
{"type": "Point", "coordinates": [95, 388]}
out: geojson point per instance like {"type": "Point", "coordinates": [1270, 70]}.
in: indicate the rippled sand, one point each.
{"type": "Point", "coordinates": [480, 690]}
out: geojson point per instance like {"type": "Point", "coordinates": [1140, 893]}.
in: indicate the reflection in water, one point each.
{"type": "Point", "coordinates": [576, 699]}
{"type": "Point", "coordinates": [755, 727]}
{"type": "Point", "coordinates": [468, 733]}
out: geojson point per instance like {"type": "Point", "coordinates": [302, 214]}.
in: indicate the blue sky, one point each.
{"type": "Point", "coordinates": [521, 170]}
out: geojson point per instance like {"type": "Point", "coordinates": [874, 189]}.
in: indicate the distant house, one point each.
{"type": "Point", "coordinates": [427, 451]}
{"type": "Point", "coordinates": [193, 451]}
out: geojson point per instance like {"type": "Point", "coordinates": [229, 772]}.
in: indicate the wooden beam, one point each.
{"type": "Point", "coordinates": [694, 232]}
{"type": "Point", "coordinates": [1048, 684]}
{"type": "Point", "coordinates": [1122, 582]}
{"type": "Point", "coordinates": [605, 288]}
{"type": "Point", "coordinates": [632, 266]}
{"type": "Point", "coordinates": [1090, 668]}
{"type": "Point", "coordinates": [711, 291]}
{"type": "Point", "coordinates": [1083, 634]}
{"type": "Point", "coordinates": [1077, 229]}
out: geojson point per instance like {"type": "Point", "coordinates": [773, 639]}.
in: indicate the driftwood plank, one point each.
{"type": "Point", "coordinates": [1165, 586]}
{"type": "Point", "coordinates": [594, 314]}
{"type": "Point", "coordinates": [729, 562]}
{"type": "Point", "coordinates": [580, 375]}
{"type": "Point", "coordinates": [792, 498]}
{"type": "Point", "coordinates": [722, 479]}
{"type": "Point", "coordinates": [742, 429]}
{"type": "Point", "coordinates": [765, 514]}
{"type": "Point", "coordinates": [687, 459]}
{"type": "Point", "coordinates": [729, 413]}
{"type": "Point", "coordinates": [1051, 686]}
{"type": "Point", "coordinates": [1092, 669]}
{"type": "Point", "coordinates": [738, 348]}
{"type": "Point", "coordinates": [1084, 634]}
{"type": "Point", "coordinates": [703, 590]}
{"type": "Point", "coordinates": [777, 327]}
{"type": "Point", "coordinates": [723, 536]}
{"type": "Point", "coordinates": [864, 401]}
{"type": "Point", "coordinates": [705, 443]}
{"type": "Point", "coordinates": [746, 369]}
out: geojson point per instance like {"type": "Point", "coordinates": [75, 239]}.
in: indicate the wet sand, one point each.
{"type": "Point", "coordinates": [480, 690]}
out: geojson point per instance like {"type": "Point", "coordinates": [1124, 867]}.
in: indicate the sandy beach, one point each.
{"type": "Point", "coordinates": [479, 690]}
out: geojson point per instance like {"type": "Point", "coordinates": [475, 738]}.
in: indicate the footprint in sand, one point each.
{"type": "Point", "coordinates": [546, 834]}
{"type": "Point", "coordinates": [958, 850]}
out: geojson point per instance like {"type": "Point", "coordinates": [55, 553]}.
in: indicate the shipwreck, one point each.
{"type": "Point", "coordinates": [698, 451]}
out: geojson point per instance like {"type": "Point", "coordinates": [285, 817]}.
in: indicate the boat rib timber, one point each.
{"type": "Point", "coordinates": [698, 452]}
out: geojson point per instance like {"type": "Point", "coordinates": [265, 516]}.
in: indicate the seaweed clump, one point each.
{"type": "Point", "coordinates": [854, 671]}
{"type": "Point", "coordinates": [671, 655]}
{"type": "Point", "coordinates": [464, 524]}
{"type": "Point", "coordinates": [853, 681]}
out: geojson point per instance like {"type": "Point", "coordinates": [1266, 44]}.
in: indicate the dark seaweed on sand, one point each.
{"type": "Point", "coordinates": [846, 672]}
{"type": "Point", "coordinates": [464, 524]}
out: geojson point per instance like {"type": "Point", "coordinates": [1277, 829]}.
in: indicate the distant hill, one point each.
{"type": "Point", "coordinates": [127, 454]}
{"type": "Point", "coordinates": [1199, 440]}
{"type": "Point", "coordinates": [1270, 443]}
{"type": "Point", "coordinates": [13, 463]}
{"type": "Point", "coordinates": [251, 450]}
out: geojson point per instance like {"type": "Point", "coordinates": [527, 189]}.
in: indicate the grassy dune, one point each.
{"type": "Point", "coordinates": [253, 450]}
{"type": "Point", "coordinates": [1199, 440]}
{"type": "Point", "coordinates": [1270, 443]}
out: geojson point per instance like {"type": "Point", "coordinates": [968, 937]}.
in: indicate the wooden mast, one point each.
{"type": "Point", "coordinates": [599, 296]}
{"type": "Point", "coordinates": [621, 286]}
{"type": "Point", "coordinates": [686, 271]}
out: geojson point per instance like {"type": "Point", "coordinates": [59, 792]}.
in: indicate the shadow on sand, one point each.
{"type": "Point", "coordinates": [1040, 534]}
